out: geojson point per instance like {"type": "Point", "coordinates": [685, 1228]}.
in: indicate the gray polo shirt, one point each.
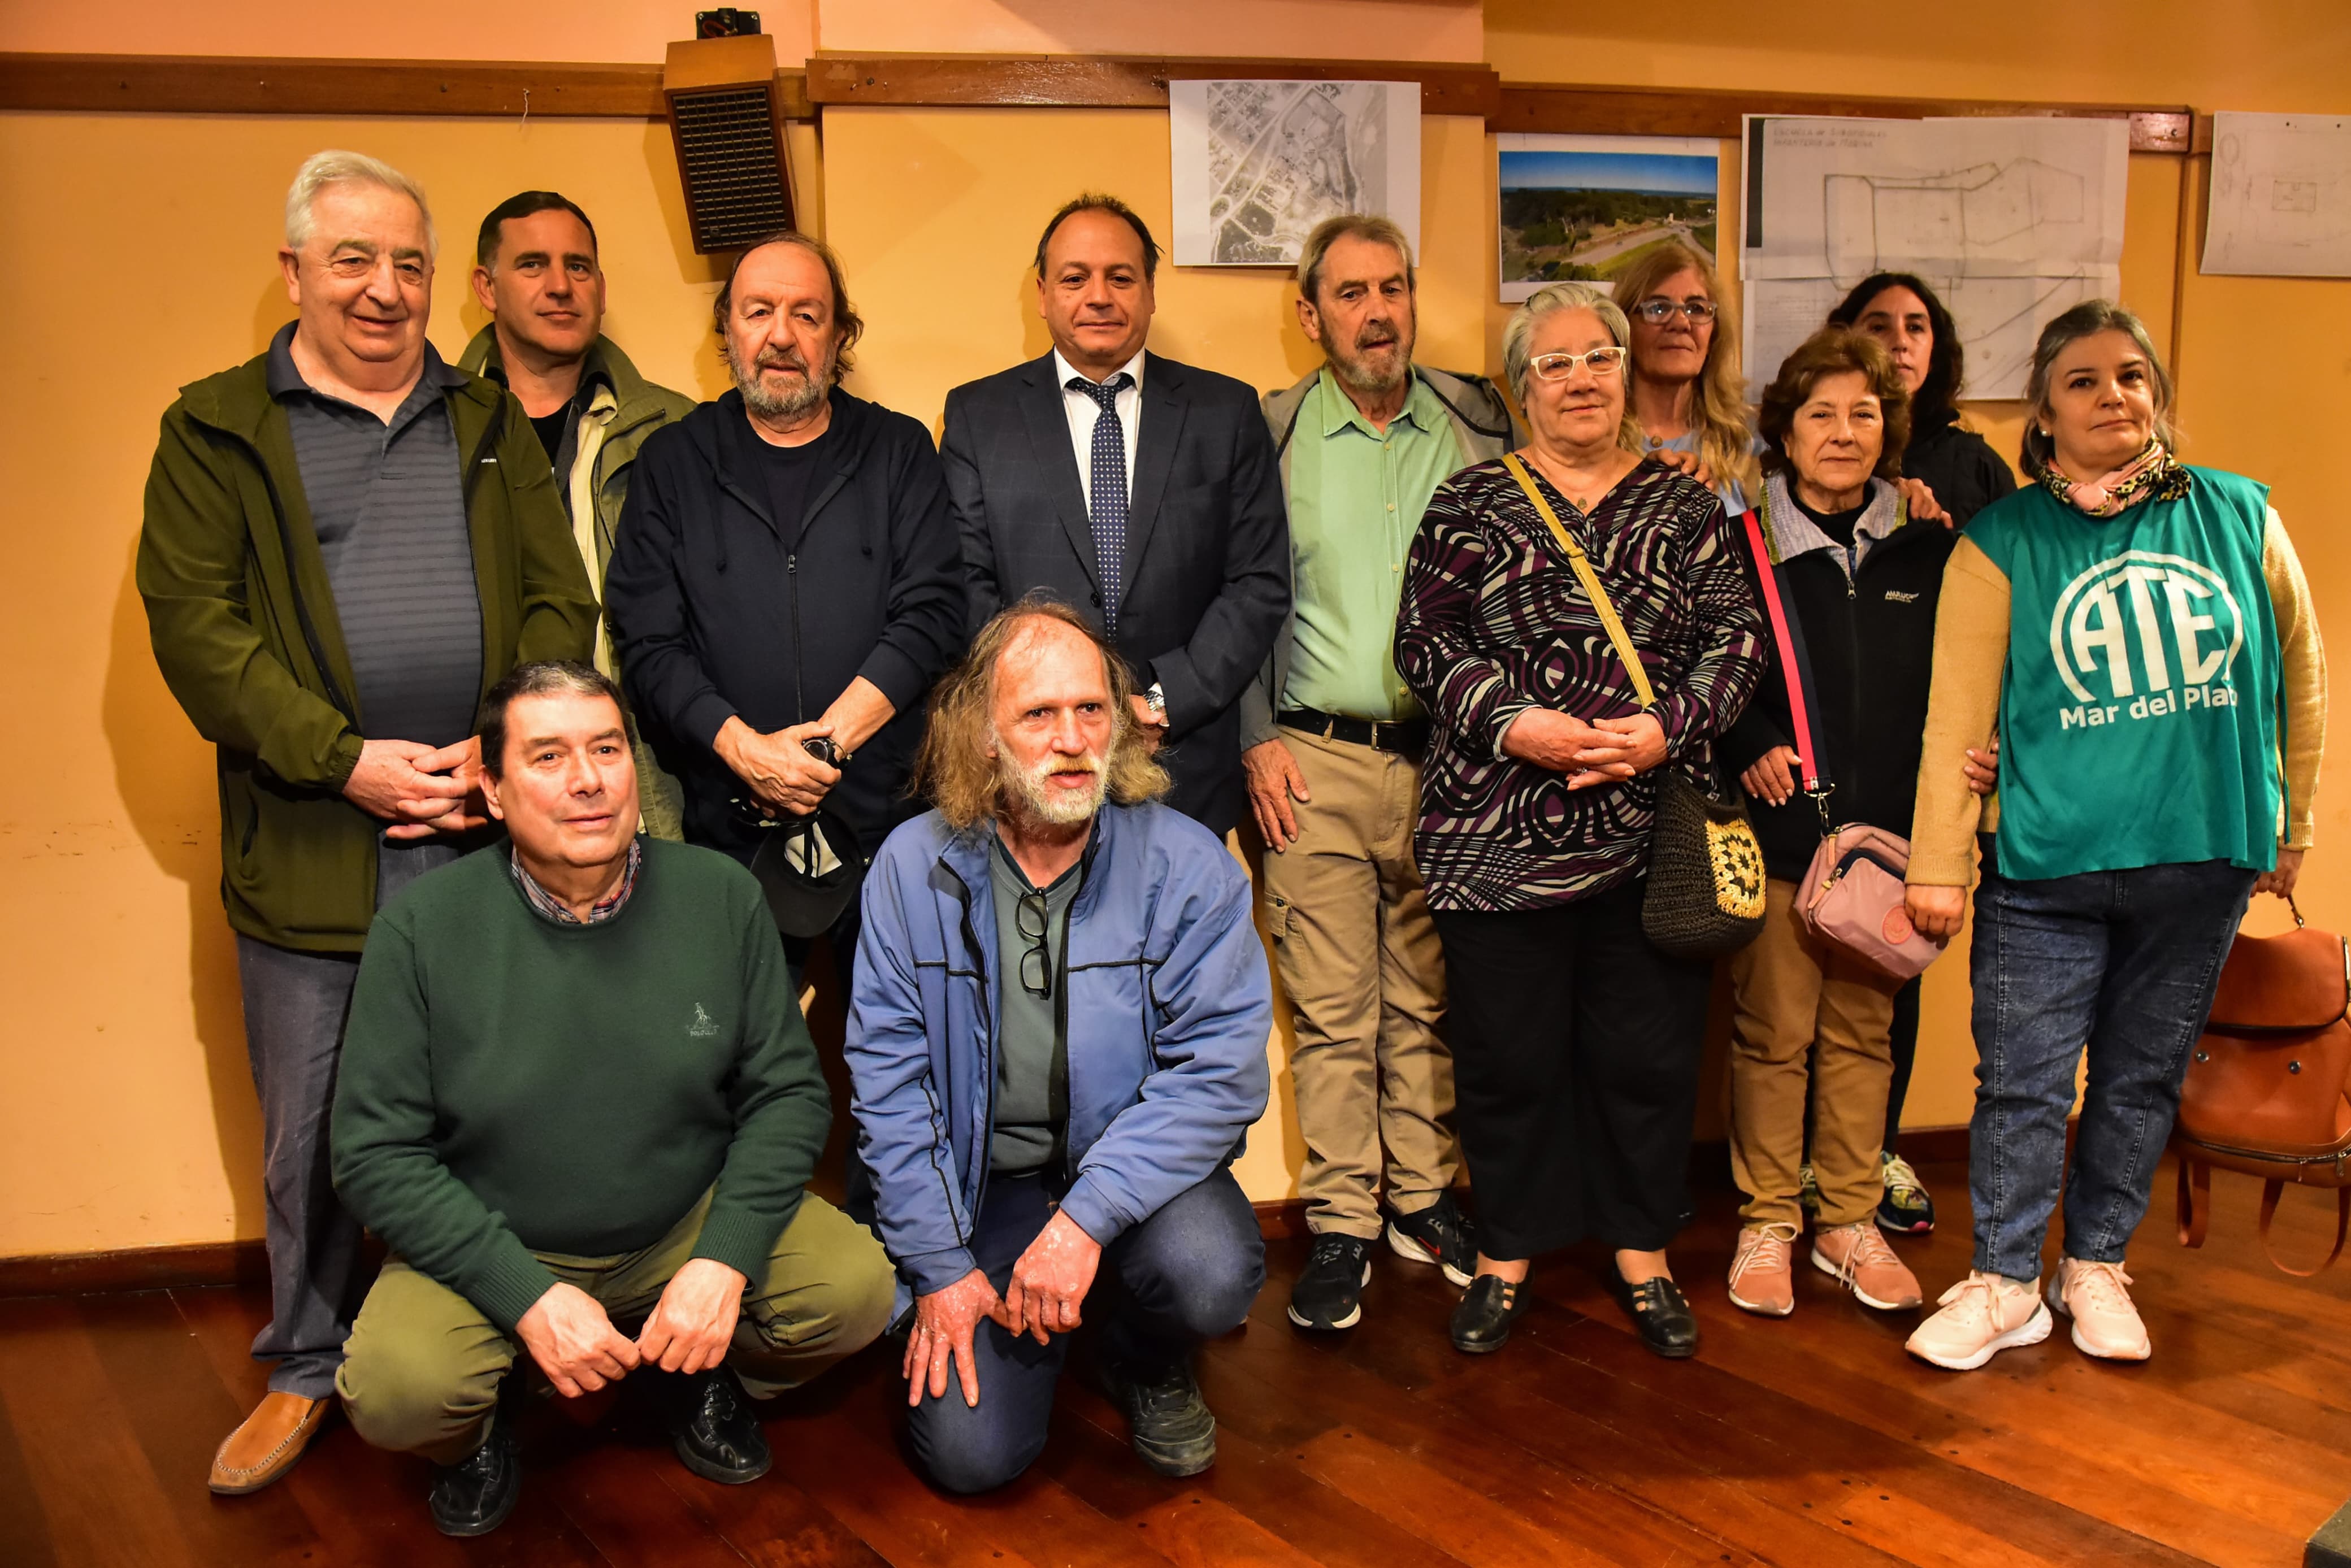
{"type": "Point", "coordinates": [388, 502]}
{"type": "Point", "coordinates": [1032, 1051]}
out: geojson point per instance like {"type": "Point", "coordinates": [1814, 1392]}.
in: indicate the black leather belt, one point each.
{"type": "Point", "coordinates": [1405, 737]}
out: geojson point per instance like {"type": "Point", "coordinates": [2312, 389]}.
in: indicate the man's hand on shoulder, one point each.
{"type": "Point", "coordinates": [1050, 1281]}
{"type": "Point", "coordinates": [695, 1319]}
{"type": "Point", "coordinates": [574, 1343]}
{"type": "Point", "coordinates": [945, 1322]}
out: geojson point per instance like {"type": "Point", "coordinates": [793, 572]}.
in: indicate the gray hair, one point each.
{"type": "Point", "coordinates": [336, 167]}
{"type": "Point", "coordinates": [1551, 297]}
{"type": "Point", "coordinates": [1346, 225]}
{"type": "Point", "coordinates": [2086, 319]}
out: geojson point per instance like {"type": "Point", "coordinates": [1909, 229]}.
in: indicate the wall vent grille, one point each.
{"type": "Point", "coordinates": [737, 186]}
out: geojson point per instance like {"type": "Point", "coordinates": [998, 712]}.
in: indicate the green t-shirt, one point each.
{"type": "Point", "coordinates": [1032, 1051]}
{"type": "Point", "coordinates": [2140, 712]}
{"type": "Point", "coordinates": [512, 1085]}
{"type": "Point", "coordinates": [1356, 496]}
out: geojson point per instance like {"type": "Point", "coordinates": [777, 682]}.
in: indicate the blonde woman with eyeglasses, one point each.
{"type": "Point", "coordinates": [1687, 394]}
{"type": "Point", "coordinates": [1575, 1041]}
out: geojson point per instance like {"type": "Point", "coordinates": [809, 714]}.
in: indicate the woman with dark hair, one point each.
{"type": "Point", "coordinates": [1966, 476]}
{"type": "Point", "coordinates": [1903, 313]}
{"type": "Point", "coordinates": [1811, 1027]}
{"type": "Point", "coordinates": [2142, 634]}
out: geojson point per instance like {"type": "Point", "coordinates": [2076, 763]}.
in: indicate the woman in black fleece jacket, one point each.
{"type": "Point", "coordinates": [1859, 580]}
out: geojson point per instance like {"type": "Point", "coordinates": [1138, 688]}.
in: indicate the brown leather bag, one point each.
{"type": "Point", "coordinates": [2269, 1087]}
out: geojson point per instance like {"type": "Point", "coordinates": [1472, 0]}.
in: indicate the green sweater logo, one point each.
{"type": "Point", "coordinates": [703, 1027]}
{"type": "Point", "coordinates": [2184, 619]}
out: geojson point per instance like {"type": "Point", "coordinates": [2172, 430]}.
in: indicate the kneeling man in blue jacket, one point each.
{"type": "Point", "coordinates": [1057, 1041]}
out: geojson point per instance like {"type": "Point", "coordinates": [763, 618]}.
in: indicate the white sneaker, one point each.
{"type": "Point", "coordinates": [2094, 1296]}
{"type": "Point", "coordinates": [1981, 1315]}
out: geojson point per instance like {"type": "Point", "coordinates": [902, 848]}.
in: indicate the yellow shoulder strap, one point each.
{"type": "Point", "coordinates": [1618, 636]}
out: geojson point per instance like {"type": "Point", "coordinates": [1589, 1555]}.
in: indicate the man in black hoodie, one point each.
{"type": "Point", "coordinates": [787, 583]}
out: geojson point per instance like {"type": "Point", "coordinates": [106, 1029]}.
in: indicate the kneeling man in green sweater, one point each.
{"type": "Point", "coordinates": [577, 1091]}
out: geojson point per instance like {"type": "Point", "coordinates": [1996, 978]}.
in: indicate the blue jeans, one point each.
{"type": "Point", "coordinates": [1187, 1273]}
{"type": "Point", "coordinates": [2123, 962]}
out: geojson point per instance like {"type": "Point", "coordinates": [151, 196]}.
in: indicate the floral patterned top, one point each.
{"type": "Point", "coordinates": [1494, 623]}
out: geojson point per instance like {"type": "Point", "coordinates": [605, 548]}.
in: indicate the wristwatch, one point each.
{"type": "Point", "coordinates": [1157, 698]}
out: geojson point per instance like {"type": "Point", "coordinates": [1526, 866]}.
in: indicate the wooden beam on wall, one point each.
{"type": "Point", "coordinates": [1107, 82]}
{"type": "Point", "coordinates": [1669, 111]}
{"type": "Point", "coordinates": [168, 84]}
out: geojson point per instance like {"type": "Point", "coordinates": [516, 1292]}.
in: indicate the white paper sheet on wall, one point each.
{"type": "Point", "coordinates": [2011, 221]}
{"type": "Point", "coordinates": [2280, 196]}
{"type": "Point", "coordinates": [1256, 164]}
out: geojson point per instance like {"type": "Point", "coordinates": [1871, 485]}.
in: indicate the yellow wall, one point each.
{"type": "Point", "coordinates": [127, 1118]}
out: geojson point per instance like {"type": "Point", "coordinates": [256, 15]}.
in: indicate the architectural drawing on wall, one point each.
{"type": "Point", "coordinates": [2011, 221]}
{"type": "Point", "coordinates": [2280, 196]}
{"type": "Point", "coordinates": [1256, 164]}
{"type": "Point", "coordinates": [1586, 207]}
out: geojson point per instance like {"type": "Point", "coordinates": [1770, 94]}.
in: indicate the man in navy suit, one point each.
{"type": "Point", "coordinates": [1143, 493]}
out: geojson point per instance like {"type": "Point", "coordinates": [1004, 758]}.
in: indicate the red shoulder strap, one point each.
{"type": "Point", "coordinates": [1788, 671]}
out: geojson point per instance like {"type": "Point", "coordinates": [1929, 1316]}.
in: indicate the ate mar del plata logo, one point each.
{"type": "Point", "coordinates": [2144, 635]}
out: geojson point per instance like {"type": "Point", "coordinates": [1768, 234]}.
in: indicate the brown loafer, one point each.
{"type": "Point", "coordinates": [269, 1442]}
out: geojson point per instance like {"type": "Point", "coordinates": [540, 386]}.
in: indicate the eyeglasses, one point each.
{"type": "Point", "coordinates": [1031, 911]}
{"type": "Point", "coordinates": [1662, 311]}
{"type": "Point", "coordinates": [1604, 361]}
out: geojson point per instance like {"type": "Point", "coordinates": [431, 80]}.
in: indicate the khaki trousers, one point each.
{"type": "Point", "coordinates": [422, 1370]}
{"type": "Point", "coordinates": [1358, 955]}
{"type": "Point", "coordinates": [1804, 1015]}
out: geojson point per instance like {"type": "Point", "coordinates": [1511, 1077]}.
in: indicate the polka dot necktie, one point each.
{"type": "Point", "coordinates": [1106, 496]}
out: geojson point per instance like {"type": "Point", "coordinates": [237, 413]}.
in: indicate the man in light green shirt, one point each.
{"type": "Point", "coordinates": [1334, 742]}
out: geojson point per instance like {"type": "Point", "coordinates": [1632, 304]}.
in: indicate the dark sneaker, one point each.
{"type": "Point", "coordinates": [1481, 1323]}
{"type": "Point", "coordinates": [474, 1496]}
{"type": "Point", "coordinates": [1440, 1234]}
{"type": "Point", "coordinates": [715, 1433]}
{"type": "Point", "coordinates": [1330, 1293]}
{"type": "Point", "coordinates": [1905, 1209]}
{"type": "Point", "coordinates": [1169, 1423]}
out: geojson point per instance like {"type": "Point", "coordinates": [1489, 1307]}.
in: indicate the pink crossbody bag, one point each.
{"type": "Point", "coordinates": [1851, 895]}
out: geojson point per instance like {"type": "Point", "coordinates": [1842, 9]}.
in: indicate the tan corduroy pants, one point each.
{"type": "Point", "coordinates": [1806, 1017]}
{"type": "Point", "coordinates": [1359, 957]}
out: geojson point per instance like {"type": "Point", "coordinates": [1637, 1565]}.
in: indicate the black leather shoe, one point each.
{"type": "Point", "coordinates": [1481, 1323]}
{"type": "Point", "coordinates": [715, 1433]}
{"type": "Point", "coordinates": [474, 1496]}
{"type": "Point", "coordinates": [1171, 1427]}
{"type": "Point", "coordinates": [1663, 1315]}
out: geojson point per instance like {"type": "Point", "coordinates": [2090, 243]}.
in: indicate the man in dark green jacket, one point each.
{"type": "Point", "coordinates": [536, 272]}
{"type": "Point", "coordinates": [347, 542]}
{"type": "Point", "coordinates": [578, 1093]}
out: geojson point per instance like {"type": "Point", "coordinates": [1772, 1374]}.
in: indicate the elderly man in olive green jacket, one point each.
{"type": "Point", "coordinates": [536, 271]}
{"type": "Point", "coordinates": [346, 543]}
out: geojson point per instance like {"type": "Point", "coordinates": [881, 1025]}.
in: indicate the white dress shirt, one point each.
{"type": "Point", "coordinates": [1084, 411]}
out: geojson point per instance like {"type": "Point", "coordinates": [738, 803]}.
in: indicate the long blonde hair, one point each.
{"type": "Point", "coordinates": [1718, 403]}
{"type": "Point", "coordinates": [954, 767]}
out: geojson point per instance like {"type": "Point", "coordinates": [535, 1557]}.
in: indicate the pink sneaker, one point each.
{"type": "Point", "coordinates": [1857, 1257]}
{"type": "Point", "coordinates": [1981, 1315]}
{"type": "Point", "coordinates": [2094, 1296]}
{"type": "Point", "coordinates": [1760, 1278]}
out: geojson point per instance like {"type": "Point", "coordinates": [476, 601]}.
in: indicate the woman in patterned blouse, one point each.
{"type": "Point", "coordinates": [1575, 1041]}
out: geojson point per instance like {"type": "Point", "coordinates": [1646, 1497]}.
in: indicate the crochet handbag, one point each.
{"type": "Point", "coordinates": [1852, 895]}
{"type": "Point", "coordinates": [1705, 896]}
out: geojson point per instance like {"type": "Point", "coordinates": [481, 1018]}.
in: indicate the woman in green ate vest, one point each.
{"type": "Point", "coordinates": [2141, 635]}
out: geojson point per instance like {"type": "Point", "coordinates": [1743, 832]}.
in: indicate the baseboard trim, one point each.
{"type": "Point", "coordinates": [247, 1262]}
{"type": "Point", "coordinates": [136, 1268]}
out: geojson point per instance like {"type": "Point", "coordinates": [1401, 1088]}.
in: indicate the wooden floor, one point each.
{"type": "Point", "coordinates": [1812, 1440]}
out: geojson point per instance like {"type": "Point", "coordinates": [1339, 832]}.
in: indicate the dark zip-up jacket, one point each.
{"type": "Point", "coordinates": [717, 612]}
{"type": "Point", "coordinates": [1958, 464]}
{"type": "Point", "coordinates": [242, 621]}
{"type": "Point", "coordinates": [1870, 639]}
